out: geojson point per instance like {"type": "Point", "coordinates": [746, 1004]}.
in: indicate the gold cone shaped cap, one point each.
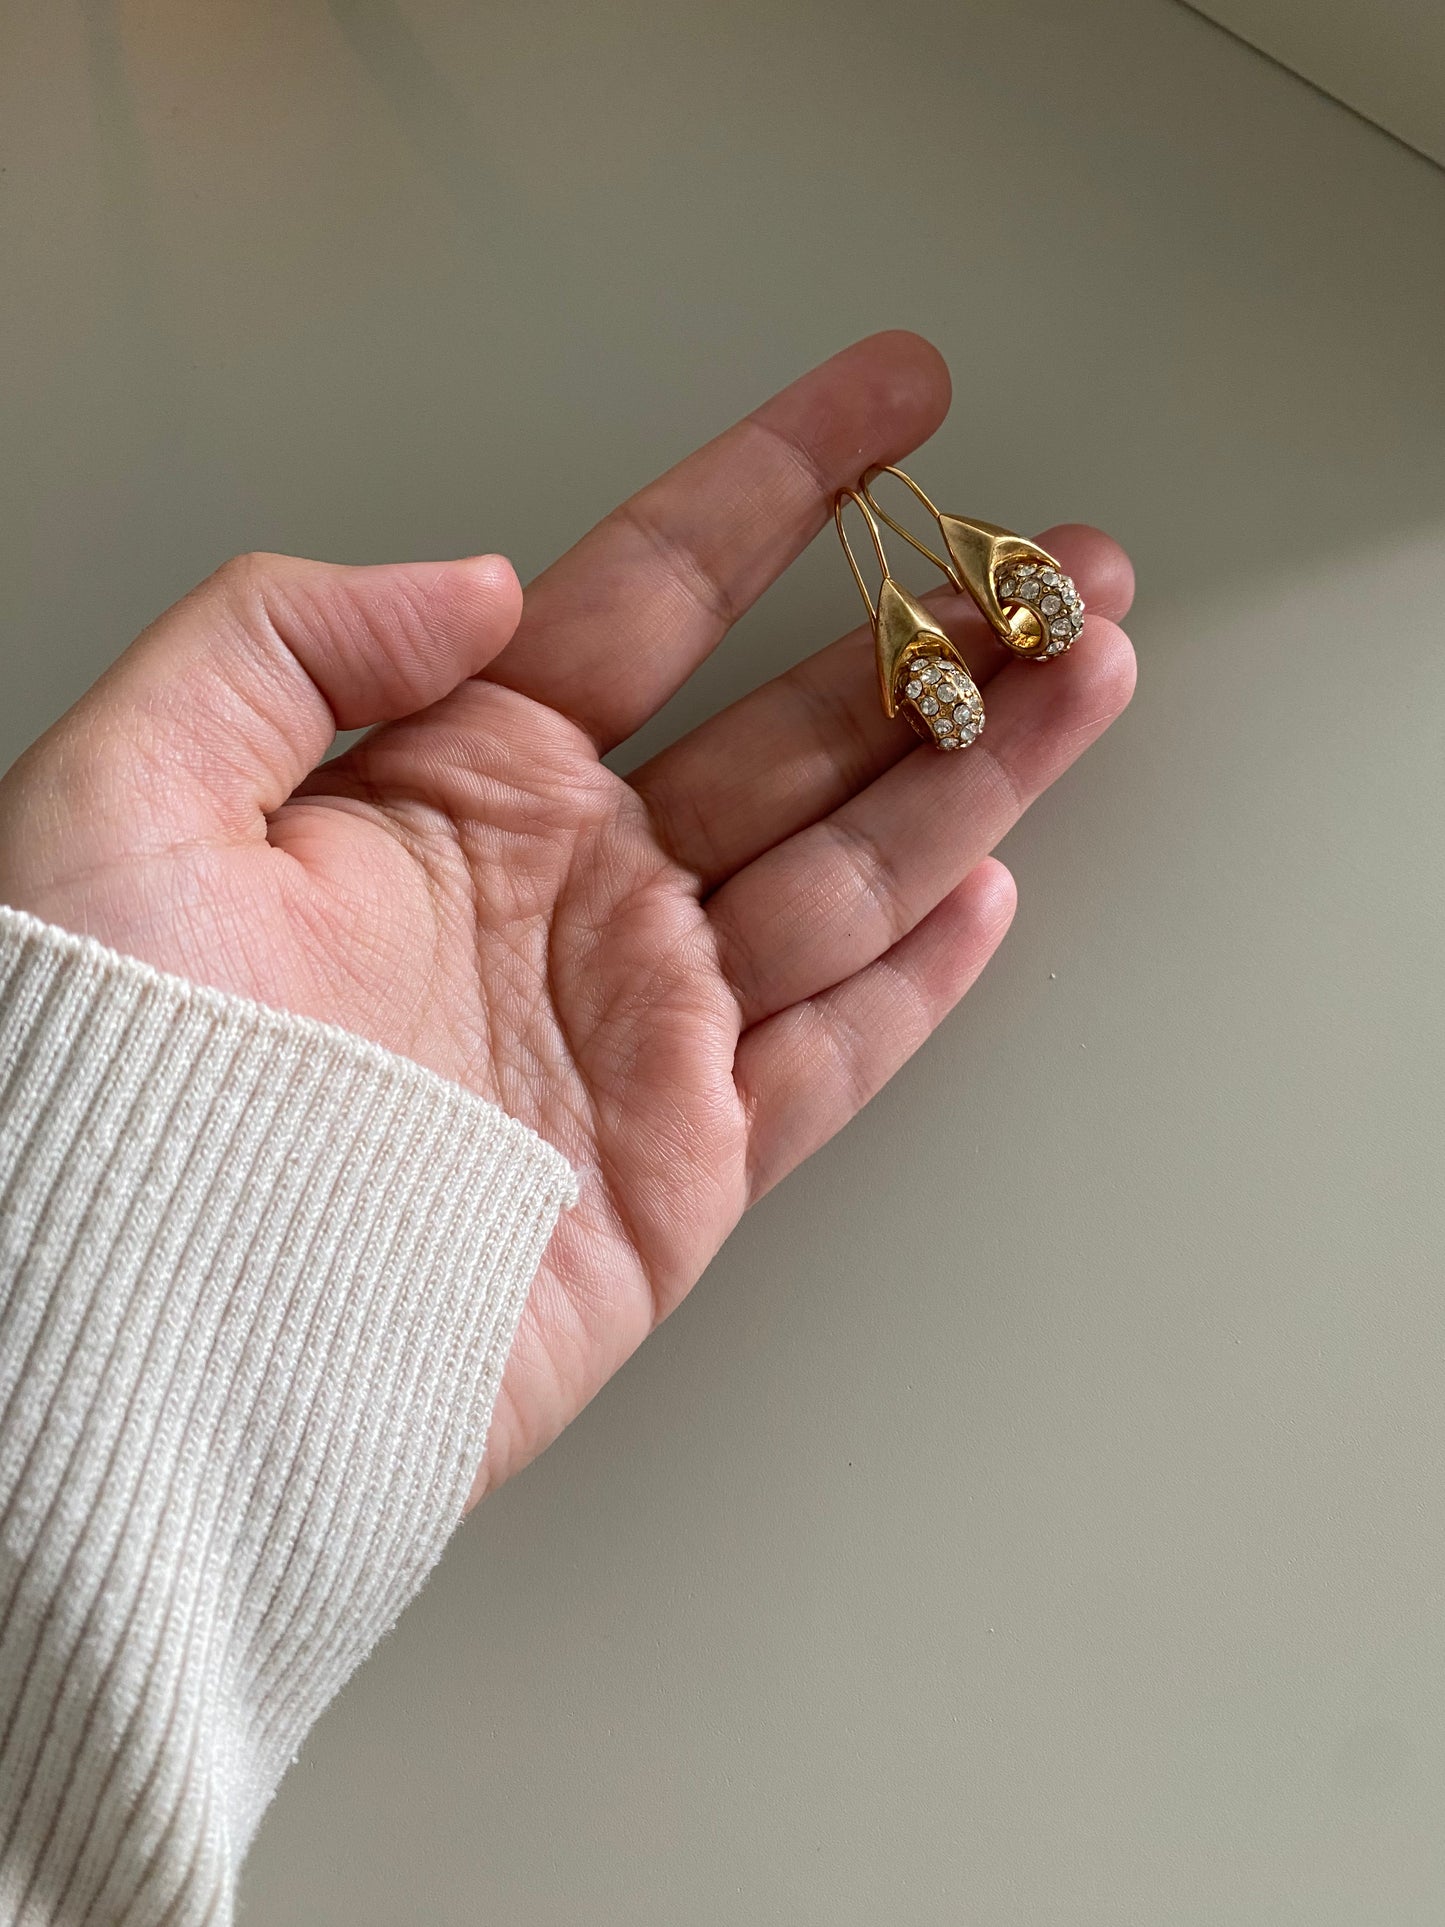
{"type": "Point", "coordinates": [978, 551]}
{"type": "Point", "coordinates": [901, 622]}
{"type": "Point", "coordinates": [973, 548]}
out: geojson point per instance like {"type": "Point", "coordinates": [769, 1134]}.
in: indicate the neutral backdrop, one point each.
{"type": "Point", "coordinates": [1384, 58]}
{"type": "Point", "coordinates": [1034, 1519]}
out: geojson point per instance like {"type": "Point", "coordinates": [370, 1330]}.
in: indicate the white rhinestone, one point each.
{"type": "Point", "coordinates": [913, 690]}
{"type": "Point", "coordinates": [1027, 568]}
{"type": "Point", "coordinates": [948, 742]}
{"type": "Point", "coordinates": [930, 672]}
{"type": "Point", "coordinates": [1051, 605]}
{"type": "Point", "coordinates": [962, 713]}
{"type": "Point", "coordinates": [1061, 628]}
{"type": "Point", "coordinates": [929, 706]}
{"type": "Point", "coordinates": [1006, 588]}
{"type": "Point", "coordinates": [1051, 576]}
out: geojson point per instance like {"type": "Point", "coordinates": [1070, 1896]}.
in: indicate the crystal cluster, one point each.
{"type": "Point", "coordinates": [941, 701]}
{"type": "Point", "coordinates": [1052, 597]}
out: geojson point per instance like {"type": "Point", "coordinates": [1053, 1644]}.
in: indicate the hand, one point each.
{"type": "Point", "coordinates": [686, 981]}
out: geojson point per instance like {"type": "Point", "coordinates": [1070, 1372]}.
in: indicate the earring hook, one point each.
{"type": "Point", "coordinates": [840, 501]}
{"type": "Point", "coordinates": [886, 468]}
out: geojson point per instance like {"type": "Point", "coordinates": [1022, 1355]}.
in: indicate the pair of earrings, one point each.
{"type": "Point", "coordinates": [1025, 597]}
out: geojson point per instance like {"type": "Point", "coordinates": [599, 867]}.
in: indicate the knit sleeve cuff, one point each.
{"type": "Point", "coordinates": [258, 1281]}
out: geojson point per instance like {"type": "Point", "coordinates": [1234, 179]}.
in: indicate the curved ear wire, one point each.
{"type": "Point", "coordinates": [843, 497]}
{"type": "Point", "coordinates": [886, 468]}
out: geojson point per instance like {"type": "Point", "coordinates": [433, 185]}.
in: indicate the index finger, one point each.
{"type": "Point", "coordinates": [614, 626]}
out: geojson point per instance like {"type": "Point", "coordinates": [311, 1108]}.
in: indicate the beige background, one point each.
{"type": "Point", "coordinates": [1061, 1547]}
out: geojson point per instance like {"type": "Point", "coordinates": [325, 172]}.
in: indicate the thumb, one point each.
{"type": "Point", "coordinates": [236, 693]}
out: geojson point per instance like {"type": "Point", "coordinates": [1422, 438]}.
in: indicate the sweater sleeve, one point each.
{"type": "Point", "coordinates": [258, 1280]}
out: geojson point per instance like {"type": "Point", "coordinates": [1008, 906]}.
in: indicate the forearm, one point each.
{"type": "Point", "coordinates": [258, 1280]}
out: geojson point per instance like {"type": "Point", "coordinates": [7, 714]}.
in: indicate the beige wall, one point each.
{"type": "Point", "coordinates": [1067, 1552]}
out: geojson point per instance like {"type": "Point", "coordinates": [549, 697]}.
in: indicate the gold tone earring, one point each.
{"type": "Point", "coordinates": [1025, 597]}
{"type": "Point", "coordinates": [919, 669]}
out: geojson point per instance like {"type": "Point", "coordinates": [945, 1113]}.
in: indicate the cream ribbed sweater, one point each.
{"type": "Point", "coordinates": [258, 1280]}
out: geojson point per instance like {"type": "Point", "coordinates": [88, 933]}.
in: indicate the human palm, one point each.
{"type": "Point", "coordinates": [685, 980]}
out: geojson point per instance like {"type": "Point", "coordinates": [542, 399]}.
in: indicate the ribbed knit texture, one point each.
{"type": "Point", "coordinates": [258, 1280]}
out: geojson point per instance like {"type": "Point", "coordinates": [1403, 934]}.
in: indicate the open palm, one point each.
{"type": "Point", "coordinates": [686, 980]}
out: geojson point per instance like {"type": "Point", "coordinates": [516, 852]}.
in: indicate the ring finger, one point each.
{"type": "Point", "coordinates": [827, 901]}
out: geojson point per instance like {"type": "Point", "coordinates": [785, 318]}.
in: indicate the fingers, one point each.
{"type": "Point", "coordinates": [614, 626]}
{"type": "Point", "coordinates": [787, 753]}
{"type": "Point", "coordinates": [1102, 570]}
{"type": "Point", "coordinates": [239, 689]}
{"type": "Point", "coordinates": [818, 907]}
{"type": "Point", "coordinates": [806, 1071]}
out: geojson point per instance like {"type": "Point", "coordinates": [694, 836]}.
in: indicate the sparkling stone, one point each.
{"type": "Point", "coordinates": [1051, 577]}
{"type": "Point", "coordinates": [930, 672]}
{"type": "Point", "coordinates": [913, 690]}
{"type": "Point", "coordinates": [962, 713]}
{"type": "Point", "coordinates": [1060, 628]}
{"type": "Point", "coordinates": [1028, 591]}
{"type": "Point", "coordinates": [1051, 605]}
{"type": "Point", "coordinates": [929, 706]}
{"type": "Point", "coordinates": [1006, 588]}
{"type": "Point", "coordinates": [1027, 568]}
{"type": "Point", "coordinates": [948, 742]}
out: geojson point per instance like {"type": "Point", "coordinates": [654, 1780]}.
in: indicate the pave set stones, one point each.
{"type": "Point", "coordinates": [940, 701]}
{"type": "Point", "coordinates": [1052, 597]}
